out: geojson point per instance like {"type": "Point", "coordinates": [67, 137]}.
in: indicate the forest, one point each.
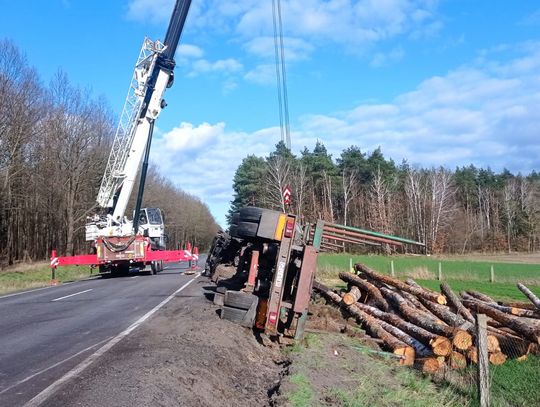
{"type": "Point", "coordinates": [54, 145]}
{"type": "Point", "coordinates": [467, 209]}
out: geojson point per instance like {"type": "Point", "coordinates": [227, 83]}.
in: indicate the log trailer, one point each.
{"type": "Point", "coordinates": [119, 243]}
{"type": "Point", "coordinates": [276, 259]}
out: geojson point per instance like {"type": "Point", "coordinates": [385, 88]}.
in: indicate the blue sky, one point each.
{"type": "Point", "coordinates": [435, 82]}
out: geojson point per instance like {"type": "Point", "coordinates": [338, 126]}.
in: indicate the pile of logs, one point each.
{"type": "Point", "coordinates": [436, 330]}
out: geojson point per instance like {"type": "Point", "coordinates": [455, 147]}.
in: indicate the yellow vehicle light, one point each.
{"type": "Point", "coordinates": [280, 226]}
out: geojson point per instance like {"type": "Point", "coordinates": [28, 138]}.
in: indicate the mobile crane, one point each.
{"type": "Point", "coordinates": [120, 243]}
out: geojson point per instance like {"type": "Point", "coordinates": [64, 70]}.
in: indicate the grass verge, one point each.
{"type": "Point", "coordinates": [35, 275]}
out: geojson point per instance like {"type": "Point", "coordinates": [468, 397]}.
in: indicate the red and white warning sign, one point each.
{"type": "Point", "coordinates": [287, 195]}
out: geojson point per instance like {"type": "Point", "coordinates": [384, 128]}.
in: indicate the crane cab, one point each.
{"type": "Point", "coordinates": [151, 224]}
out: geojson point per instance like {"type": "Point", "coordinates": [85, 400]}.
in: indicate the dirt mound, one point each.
{"type": "Point", "coordinates": [185, 355]}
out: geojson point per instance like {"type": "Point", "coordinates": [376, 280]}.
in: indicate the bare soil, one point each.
{"type": "Point", "coordinates": [184, 356]}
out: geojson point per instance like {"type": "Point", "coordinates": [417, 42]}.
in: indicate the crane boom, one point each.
{"type": "Point", "coordinates": [152, 75]}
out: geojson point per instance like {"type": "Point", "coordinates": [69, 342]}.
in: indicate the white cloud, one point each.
{"type": "Point", "coordinates": [355, 24]}
{"type": "Point", "coordinates": [189, 51]}
{"type": "Point", "coordinates": [229, 65]}
{"type": "Point", "coordinates": [295, 48]}
{"type": "Point", "coordinates": [264, 74]}
{"type": "Point", "coordinates": [485, 113]}
{"type": "Point", "coordinates": [189, 138]}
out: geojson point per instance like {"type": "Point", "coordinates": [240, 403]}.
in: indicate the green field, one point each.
{"type": "Point", "coordinates": [459, 274]}
{"type": "Point", "coordinates": [27, 276]}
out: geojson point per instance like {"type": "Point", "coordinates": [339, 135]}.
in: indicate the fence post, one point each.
{"type": "Point", "coordinates": [392, 272]}
{"type": "Point", "coordinates": [483, 361]}
{"type": "Point", "coordinates": [492, 275]}
{"type": "Point", "coordinates": [439, 276]}
{"type": "Point", "coordinates": [350, 265]}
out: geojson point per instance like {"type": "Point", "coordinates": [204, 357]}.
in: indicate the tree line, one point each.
{"type": "Point", "coordinates": [54, 145]}
{"type": "Point", "coordinates": [467, 209]}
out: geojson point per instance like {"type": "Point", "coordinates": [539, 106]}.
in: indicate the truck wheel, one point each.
{"type": "Point", "coordinates": [233, 314]}
{"type": "Point", "coordinates": [235, 218]}
{"type": "Point", "coordinates": [247, 229]}
{"type": "Point", "coordinates": [153, 268]}
{"type": "Point", "coordinates": [233, 230]}
{"type": "Point", "coordinates": [250, 214]}
{"type": "Point", "coordinates": [238, 299]}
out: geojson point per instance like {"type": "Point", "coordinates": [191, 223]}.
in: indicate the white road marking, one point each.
{"type": "Point", "coordinates": [134, 277]}
{"type": "Point", "coordinates": [49, 391]}
{"type": "Point", "coordinates": [53, 366]}
{"type": "Point", "coordinates": [71, 295]}
{"type": "Point", "coordinates": [24, 292]}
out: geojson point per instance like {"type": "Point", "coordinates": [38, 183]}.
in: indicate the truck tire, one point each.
{"type": "Point", "coordinates": [233, 230]}
{"type": "Point", "coordinates": [250, 214]}
{"type": "Point", "coordinates": [233, 314]}
{"type": "Point", "coordinates": [235, 218]}
{"type": "Point", "coordinates": [238, 299]}
{"type": "Point", "coordinates": [153, 268]}
{"type": "Point", "coordinates": [247, 229]}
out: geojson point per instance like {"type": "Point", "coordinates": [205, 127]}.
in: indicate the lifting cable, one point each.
{"type": "Point", "coordinates": [281, 74]}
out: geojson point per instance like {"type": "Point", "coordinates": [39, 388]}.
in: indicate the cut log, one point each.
{"type": "Point", "coordinates": [493, 344]}
{"type": "Point", "coordinates": [366, 286]}
{"type": "Point", "coordinates": [480, 296]}
{"type": "Point", "coordinates": [416, 316]}
{"type": "Point", "coordinates": [419, 348]}
{"type": "Point", "coordinates": [517, 304]}
{"type": "Point", "coordinates": [472, 354]}
{"type": "Point", "coordinates": [414, 301]}
{"type": "Point", "coordinates": [455, 302]}
{"type": "Point", "coordinates": [457, 361]}
{"type": "Point", "coordinates": [530, 295]}
{"type": "Point", "coordinates": [352, 296]}
{"type": "Point", "coordinates": [445, 314]}
{"type": "Point", "coordinates": [497, 358]}
{"type": "Point", "coordinates": [430, 365]}
{"type": "Point", "coordinates": [399, 348]}
{"type": "Point", "coordinates": [441, 346]}
{"type": "Point", "coordinates": [375, 328]}
{"type": "Point", "coordinates": [510, 321]}
{"type": "Point", "coordinates": [419, 292]}
{"type": "Point", "coordinates": [519, 312]}
{"type": "Point", "coordinates": [462, 340]}
{"type": "Point", "coordinates": [415, 331]}
{"type": "Point", "coordinates": [410, 281]}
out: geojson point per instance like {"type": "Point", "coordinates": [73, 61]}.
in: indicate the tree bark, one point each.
{"type": "Point", "coordinates": [454, 300]}
{"type": "Point", "coordinates": [512, 322]}
{"type": "Point", "coordinates": [530, 295]}
{"type": "Point", "coordinates": [419, 292]}
{"type": "Point", "coordinates": [374, 293]}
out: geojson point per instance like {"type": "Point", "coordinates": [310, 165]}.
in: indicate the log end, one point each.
{"type": "Point", "coordinates": [493, 344]}
{"type": "Point", "coordinates": [472, 354]}
{"type": "Point", "coordinates": [441, 299]}
{"type": "Point", "coordinates": [441, 346]}
{"type": "Point", "coordinates": [462, 340]}
{"type": "Point", "coordinates": [497, 358]}
{"type": "Point", "coordinates": [431, 365]}
{"type": "Point", "coordinates": [457, 361]}
{"type": "Point", "coordinates": [407, 355]}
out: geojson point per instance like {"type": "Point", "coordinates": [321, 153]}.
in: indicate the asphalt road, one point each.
{"type": "Point", "coordinates": [45, 333]}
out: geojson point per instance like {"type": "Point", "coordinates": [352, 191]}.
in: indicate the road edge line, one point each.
{"type": "Point", "coordinates": [51, 389]}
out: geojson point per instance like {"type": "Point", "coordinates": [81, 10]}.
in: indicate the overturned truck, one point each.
{"type": "Point", "coordinates": [265, 264]}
